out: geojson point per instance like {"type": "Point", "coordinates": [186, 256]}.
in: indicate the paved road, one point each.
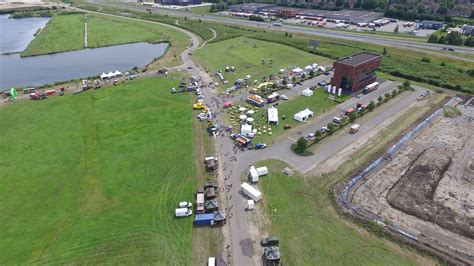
{"type": "Point", "coordinates": [380, 40]}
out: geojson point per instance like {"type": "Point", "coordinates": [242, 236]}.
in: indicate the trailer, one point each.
{"type": "Point", "coordinates": [262, 171]}
{"type": "Point", "coordinates": [371, 87]}
{"type": "Point", "coordinates": [255, 100]}
{"type": "Point", "coordinates": [354, 128]}
{"type": "Point", "coordinates": [200, 202]}
{"type": "Point", "coordinates": [273, 97]}
{"type": "Point", "coordinates": [253, 174]}
{"type": "Point", "coordinates": [204, 219]}
{"type": "Point", "coordinates": [251, 192]}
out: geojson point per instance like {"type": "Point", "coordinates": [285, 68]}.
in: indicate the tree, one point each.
{"type": "Point", "coordinates": [311, 73]}
{"type": "Point", "coordinates": [441, 39]}
{"type": "Point", "coordinates": [371, 105]}
{"type": "Point", "coordinates": [379, 100]}
{"type": "Point", "coordinates": [448, 19]}
{"type": "Point", "coordinates": [387, 96]}
{"type": "Point", "coordinates": [454, 38]}
{"type": "Point", "coordinates": [407, 84]}
{"type": "Point", "coordinates": [352, 117]}
{"type": "Point", "coordinates": [469, 42]}
{"type": "Point", "coordinates": [433, 38]}
{"type": "Point", "coordinates": [385, 51]}
{"type": "Point", "coordinates": [301, 145]}
{"type": "Point", "coordinates": [331, 128]}
{"type": "Point", "coordinates": [284, 82]}
{"type": "Point", "coordinates": [318, 134]}
{"type": "Point", "coordinates": [394, 93]}
{"type": "Point", "coordinates": [472, 14]}
{"type": "Point", "coordinates": [396, 29]}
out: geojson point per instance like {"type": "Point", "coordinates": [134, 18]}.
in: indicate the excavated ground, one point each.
{"type": "Point", "coordinates": [428, 188]}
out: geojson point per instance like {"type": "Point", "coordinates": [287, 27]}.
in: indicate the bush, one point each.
{"type": "Point", "coordinates": [426, 59]}
{"type": "Point", "coordinates": [433, 38]}
{"type": "Point", "coordinates": [454, 38]}
{"type": "Point", "coordinates": [469, 42]}
{"type": "Point", "coordinates": [301, 145]}
{"type": "Point", "coordinates": [371, 105]}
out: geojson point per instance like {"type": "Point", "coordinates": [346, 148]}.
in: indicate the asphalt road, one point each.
{"type": "Point", "coordinates": [379, 40]}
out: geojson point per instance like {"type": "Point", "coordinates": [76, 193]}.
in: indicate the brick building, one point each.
{"type": "Point", "coordinates": [355, 72]}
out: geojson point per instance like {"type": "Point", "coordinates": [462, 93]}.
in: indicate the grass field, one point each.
{"type": "Point", "coordinates": [62, 33]}
{"type": "Point", "coordinates": [246, 56]}
{"type": "Point", "coordinates": [311, 232]}
{"type": "Point", "coordinates": [94, 178]}
{"type": "Point", "coordinates": [66, 33]}
{"type": "Point", "coordinates": [318, 103]}
{"type": "Point", "coordinates": [201, 9]}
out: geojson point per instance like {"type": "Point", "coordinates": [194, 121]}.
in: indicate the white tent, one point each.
{"type": "Point", "coordinates": [322, 69]}
{"type": "Point", "coordinates": [308, 68]}
{"type": "Point", "coordinates": [273, 115]}
{"type": "Point", "coordinates": [246, 129]}
{"type": "Point", "coordinates": [303, 116]}
{"type": "Point", "coordinates": [103, 76]}
{"type": "Point", "coordinates": [307, 92]}
{"type": "Point", "coordinates": [117, 73]}
{"type": "Point", "coordinates": [315, 66]}
{"type": "Point", "coordinates": [297, 70]}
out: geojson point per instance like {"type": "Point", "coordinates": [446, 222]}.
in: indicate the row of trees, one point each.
{"type": "Point", "coordinates": [453, 38]}
{"type": "Point", "coordinates": [302, 144]}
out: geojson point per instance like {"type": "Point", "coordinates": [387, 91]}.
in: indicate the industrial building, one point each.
{"type": "Point", "coordinates": [348, 16]}
{"type": "Point", "coordinates": [430, 25]}
{"type": "Point", "coordinates": [355, 72]}
{"type": "Point", "coordinates": [178, 2]}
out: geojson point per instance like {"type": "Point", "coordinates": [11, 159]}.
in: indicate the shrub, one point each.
{"type": "Point", "coordinates": [426, 59]}
{"type": "Point", "coordinates": [301, 145]}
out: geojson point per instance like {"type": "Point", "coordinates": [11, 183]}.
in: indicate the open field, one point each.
{"type": "Point", "coordinates": [311, 232]}
{"type": "Point", "coordinates": [427, 187]}
{"type": "Point", "coordinates": [252, 57]}
{"type": "Point", "coordinates": [104, 31]}
{"type": "Point", "coordinates": [62, 33]}
{"type": "Point", "coordinates": [94, 178]}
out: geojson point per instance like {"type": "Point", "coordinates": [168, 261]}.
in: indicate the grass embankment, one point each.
{"type": "Point", "coordinates": [252, 57]}
{"type": "Point", "coordinates": [201, 10]}
{"type": "Point", "coordinates": [66, 33]}
{"type": "Point", "coordinates": [94, 178]}
{"type": "Point", "coordinates": [62, 33]}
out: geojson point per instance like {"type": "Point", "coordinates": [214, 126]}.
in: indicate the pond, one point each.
{"type": "Point", "coordinates": [16, 71]}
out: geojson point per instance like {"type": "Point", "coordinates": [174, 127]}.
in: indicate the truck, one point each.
{"type": "Point", "coordinates": [183, 212]}
{"type": "Point", "coordinates": [255, 100]}
{"type": "Point", "coordinates": [371, 87]}
{"type": "Point", "coordinates": [204, 219]}
{"type": "Point", "coordinates": [273, 97]}
{"type": "Point", "coordinates": [251, 192]}
{"type": "Point", "coordinates": [354, 128]}
{"type": "Point", "coordinates": [200, 202]}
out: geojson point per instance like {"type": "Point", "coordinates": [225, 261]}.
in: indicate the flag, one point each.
{"type": "Point", "coordinates": [13, 93]}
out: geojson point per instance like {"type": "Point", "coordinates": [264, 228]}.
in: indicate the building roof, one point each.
{"type": "Point", "coordinates": [357, 59]}
{"type": "Point", "coordinates": [272, 114]}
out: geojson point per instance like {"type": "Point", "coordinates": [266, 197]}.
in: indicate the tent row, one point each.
{"type": "Point", "coordinates": [111, 75]}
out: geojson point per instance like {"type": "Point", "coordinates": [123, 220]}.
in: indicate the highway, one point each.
{"type": "Point", "coordinates": [429, 48]}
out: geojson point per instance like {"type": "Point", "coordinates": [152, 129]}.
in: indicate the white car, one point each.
{"type": "Point", "coordinates": [185, 204]}
{"type": "Point", "coordinates": [284, 97]}
{"type": "Point", "coordinates": [183, 212]}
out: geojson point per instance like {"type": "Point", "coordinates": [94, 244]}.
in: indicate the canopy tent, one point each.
{"type": "Point", "coordinates": [242, 117]}
{"type": "Point", "coordinates": [110, 74]}
{"type": "Point", "coordinates": [250, 120]}
{"type": "Point", "coordinates": [304, 115]}
{"type": "Point", "coordinates": [297, 70]}
{"type": "Point", "coordinates": [307, 92]}
{"type": "Point", "coordinates": [242, 109]}
{"type": "Point", "coordinates": [246, 129]}
{"type": "Point", "coordinates": [272, 115]}
{"type": "Point", "coordinates": [250, 112]}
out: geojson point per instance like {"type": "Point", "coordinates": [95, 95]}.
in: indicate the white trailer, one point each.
{"type": "Point", "coordinates": [262, 171]}
{"type": "Point", "coordinates": [253, 174]}
{"type": "Point", "coordinates": [251, 192]}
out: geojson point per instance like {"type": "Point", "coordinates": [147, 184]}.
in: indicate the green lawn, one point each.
{"type": "Point", "coordinates": [246, 56]}
{"type": "Point", "coordinates": [62, 33]}
{"type": "Point", "coordinates": [105, 31]}
{"type": "Point", "coordinates": [310, 231]}
{"type": "Point", "coordinates": [94, 178]}
{"type": "Point", "coordinates": [201, 9]}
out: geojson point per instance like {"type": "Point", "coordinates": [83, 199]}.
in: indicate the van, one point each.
{"type": "Point", "coordinates": [183, 212]}
{"type": "Point", "coordinates": [336, 120]}
{"type": "Point", "coordinates": [211, 261]}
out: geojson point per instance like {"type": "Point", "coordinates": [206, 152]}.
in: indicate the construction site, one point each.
{"type": "Point", "coordinates": [423, 191]}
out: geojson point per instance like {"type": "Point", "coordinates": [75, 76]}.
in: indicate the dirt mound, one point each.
{"type": "Point", "coordinates": [414, 192]}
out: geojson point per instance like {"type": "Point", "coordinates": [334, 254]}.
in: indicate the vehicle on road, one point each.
{"type": "Point", "coordinates": [310, 136]}
{"type": "Point", "coordinates": [183, 212]}
{"type": "Point", "coordinates": [277, 24]}
{"type": "Point", "coordinates": [336, 120]}
{"type": "Point", "coordinates": [286, 126]}
{"type": "Point", "coordinates": [283, 97]}
{"type": "Point", "coordinates": [270, 241]}
{"type": "Point", "coordinates": [371, 87]}
{"type": "Point", "coordinates": [185, 204]}
{"type": "Point", "coordinates": [354, 128]}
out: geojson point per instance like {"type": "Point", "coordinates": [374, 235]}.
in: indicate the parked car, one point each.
{"type": "Point", "coordinates": [270, 241]}
{"type": "Point", "coordinates": [183, 212]}
{"type": "Point", "coordinates": [310, 136]}
{"type": "Point", "coordinates": [284, 97]}
{"type": "Point", "coordinates": [324, 129]}
{"type": "Point", "coordinates": [286, 126]}
{"type": "Point", "coordinates": [185, 204]}
{"type": "Point", "coordinates": [260, 146]}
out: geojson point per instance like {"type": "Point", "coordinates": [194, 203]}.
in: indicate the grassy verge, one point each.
{"type": "Point", "coordinates": [102, 172]}
{"type": "Point", "coordinates": [311, 230]}
{"type": "Point", "coordinates": [62, 33]}
{"type": "Point", "coordinates": [252, 57]}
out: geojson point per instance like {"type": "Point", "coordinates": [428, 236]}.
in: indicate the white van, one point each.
{"type": "Point", "coordinates": [211, 261]}
{"type": "Point", "coordinates": [183, 212]}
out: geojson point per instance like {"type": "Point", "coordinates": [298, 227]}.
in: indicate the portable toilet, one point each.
{"type": "Point", "coordinates": [250, 205]}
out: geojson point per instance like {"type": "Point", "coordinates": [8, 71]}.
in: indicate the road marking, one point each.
{"type": "Point", "coordinates": [292, 139]}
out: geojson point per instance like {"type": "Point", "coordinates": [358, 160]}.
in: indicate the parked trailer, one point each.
{"type": "Point", "coordinates": [354, 128]}
{"type": "Point", "coordinates": [371, 87]}
{"type": "Point", "coordinates": [200, 202]}
{"type": "Point", "coordinates": [251, 192]}
{"type": "Point", "coordinates": [204, 219]}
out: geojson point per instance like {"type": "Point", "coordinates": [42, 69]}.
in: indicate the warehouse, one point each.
{"type": "Point", "coordinates": [354, 72]}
